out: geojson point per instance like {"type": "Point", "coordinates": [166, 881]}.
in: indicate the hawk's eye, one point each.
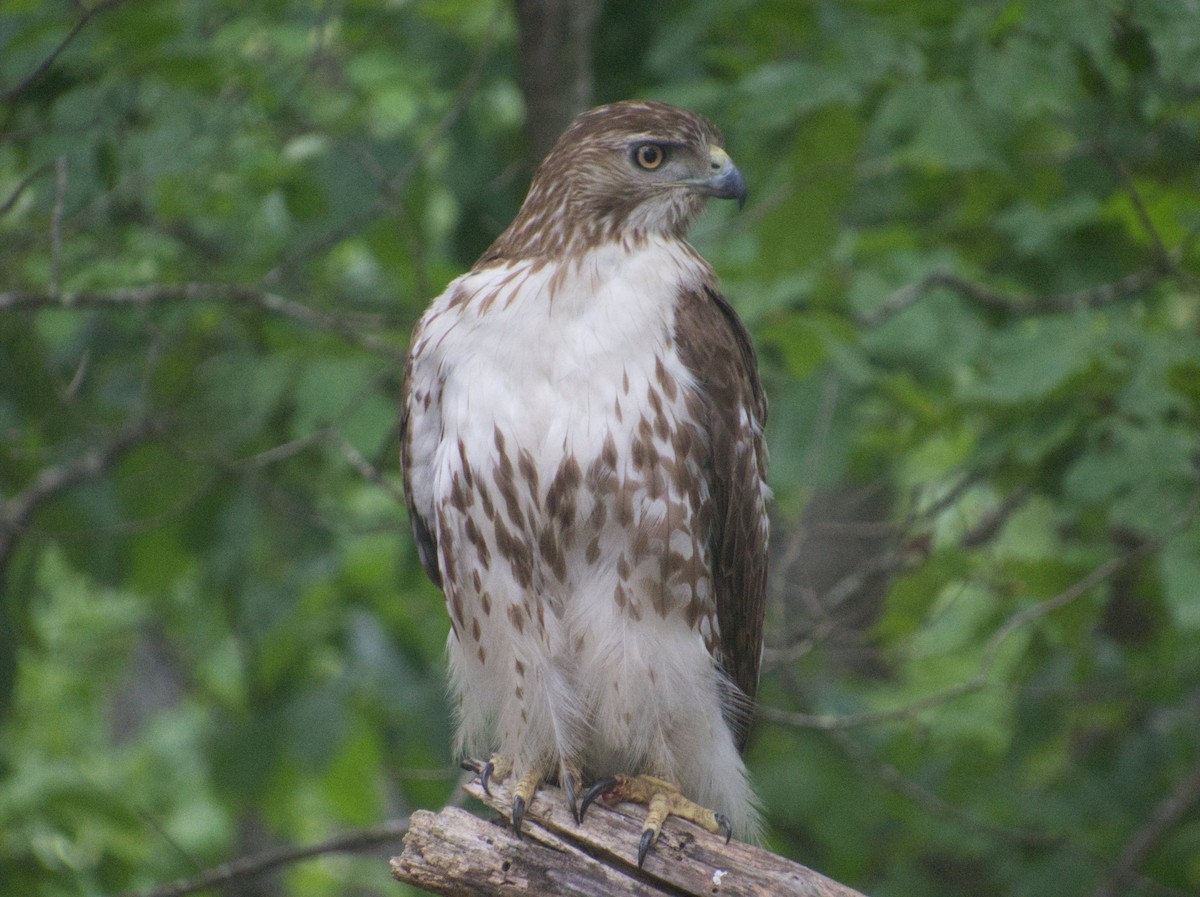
{"type": "Point", "coordinates": [649, 156]}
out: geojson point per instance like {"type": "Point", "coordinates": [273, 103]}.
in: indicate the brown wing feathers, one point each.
{"type": "Point", "coordinates": [715, 346]}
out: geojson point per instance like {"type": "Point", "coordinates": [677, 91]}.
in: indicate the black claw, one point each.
{"type": "Point", "coordinates": [568, 784]}
{"type": "Point", "coordinates": [649, 836]}
{"type": "Point", "coordinates": [485, 774]}
{"type": "Point", "coordinates": [725, 825]}
{"type": "Point", "coordinates": [601, 787]}
{"type": "Point", "coordinates": [518, 814]}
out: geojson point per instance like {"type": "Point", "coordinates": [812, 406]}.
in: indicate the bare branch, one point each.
{"type": "Point", "coordinates": [32, 78]}
{"type": "Point", "coordinates": [991, 523]}
{"type": "Point", "coordinates": [245, 868]}
{"type": "Point", "coordinates": [992, 649]}
{"type": "Point", "coordinates": [16, 511]}
{"type": "Point", "coordinates": [1081, 587]}
{"type": "Point", "coordinates": [1167, 814]}
{"type": "Point", "coordinates": [828, 723]}
{"type": "Point", "coordinates": [390, 188]}
{"type": "Point", "coordinates": [1111, 293]}
{"type": "Point", "coordinates": [1167, 262]}
{"type": "Point", "coordinates": [1019, 304]}
{"type": "Point", "coordinates": [365, 468]}
{"type": "Point", "coordinates": [793, 651]}
{"type": "Point", "coordinates": [23, 186]}
{"type": "Point", "coordinates": [275, 453]}
{"type": "Point", "coordinates": [60, 193]}
{"type": "Point", "coordinates": [1025, 838]}
{"type": "Point", "coordinates": [466, 90]}
{"type": "Point", "coordinates": [164, 294]}
{"type": "Point", "coordinates": [76, 381]}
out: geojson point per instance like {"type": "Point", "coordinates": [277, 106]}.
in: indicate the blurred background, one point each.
{"type": "Point", "coordinates": [969, 263]}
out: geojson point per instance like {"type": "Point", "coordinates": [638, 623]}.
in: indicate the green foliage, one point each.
{"type": "Point", "coordinates": [969, 266]}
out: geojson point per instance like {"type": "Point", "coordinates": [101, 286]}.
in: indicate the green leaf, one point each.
{"type": "Point", "coordinates": [803, 341]}
{"type": "Point", "coordinates": [1034, 359]}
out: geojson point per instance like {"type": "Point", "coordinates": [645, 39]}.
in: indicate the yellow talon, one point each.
{"type": "Point", "coordinates": [523, 793]}
{"type": "Point", "coordinates": [499, 768]}
{"type": "Point", "coordinates": [662, 799]}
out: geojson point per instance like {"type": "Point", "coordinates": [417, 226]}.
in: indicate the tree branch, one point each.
{"type": "Point", "coordinates": [455, 853]}
{"type": "Point", "coordinates": [56, 214]}
{"type": "Point", "coordinates": [1023, 839]}
{"type": "Point", "coordinates": [1019, 304]}
{"type": "Point", "coordinates": [23, 186]}
{"type": "Point", "coordinates": [365, 468]}
{"type": "Point", "coordinates": [990, 524]}
{"type": "Point", "coordinates": [556, 66]}
{"type": "Point", "coordinates": [980, 680]}
{"type": "Point", "coordinates": [1143, 214]}
{"type": "Point", "coordinates": [1168, 812]}
{"type": "Point", "coordinates": [16, 511]}
{"type": "Point", "coordinates": [246, 868]}
{"type": "Point", "coordinates": [165, 294]}
{"type": "Point", "coordinates": [392, 186]}
{"type": "Point", "coordinates": [33, 77]}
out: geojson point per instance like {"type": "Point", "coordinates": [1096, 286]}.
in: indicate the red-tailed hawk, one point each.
{"type": "Point", "coordinates": [582, 441]}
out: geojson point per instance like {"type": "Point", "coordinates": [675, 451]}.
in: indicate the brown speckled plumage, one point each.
{"type": "Point", "coordinates": [584, 460]}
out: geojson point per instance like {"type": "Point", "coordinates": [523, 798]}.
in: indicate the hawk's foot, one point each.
{"type": "Point", "coordinates": [662, 799]}
{"type": "Point", "coordinates": [498, 768]}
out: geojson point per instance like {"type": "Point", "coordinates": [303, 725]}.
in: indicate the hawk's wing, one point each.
{"type": "Point", "coordinates": [714, 345]}
{"type": "Point", "coordinates": [420, 512]}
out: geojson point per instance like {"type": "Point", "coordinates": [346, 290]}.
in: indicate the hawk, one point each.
{"type": "Point", "coordinates": [583, 454]}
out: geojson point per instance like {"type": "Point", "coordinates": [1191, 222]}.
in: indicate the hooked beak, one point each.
{"type": "Point", "coordinates": [725, 182]}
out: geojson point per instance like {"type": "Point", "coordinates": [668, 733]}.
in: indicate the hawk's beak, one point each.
{"type": "Point", "coordinates": [725, 181]}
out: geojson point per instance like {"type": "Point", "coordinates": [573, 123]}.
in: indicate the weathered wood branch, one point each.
{"type": "Point", "coordinates": [457, 854]}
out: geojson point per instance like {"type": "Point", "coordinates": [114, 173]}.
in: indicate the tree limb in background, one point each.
{"type": "Point", "coordinates": [1166, 815]}
{"type": "Point", "coordinates": [23, 185]}
{"type": "Point", "coordinates": [391, 187]}
{"type": "Point", "coordinates": [160, 294]}
{"type": "Point", "coordinates": [32, 78]}
{"type": "Point", "coordinates": [246, 868]}
{"type": "Point", "coordinates": [1015, 304]}
{"type": "Point", "coordinates": [1167, 261]}
{"type": "Point", "coordinates": [56, 214]}
{"type": "Point", "coordinates": [365, 468]}
{"type": "Point", "coordinates": [15, 512]}
{"type": "Point", "coordinates": [556, 66]}
{"type": "Point", "coordinates": [903, 546]}
{"type": "Point", "coordinates": [979, 681]}
{"type": "Point", "coordinates": [1020, 839]}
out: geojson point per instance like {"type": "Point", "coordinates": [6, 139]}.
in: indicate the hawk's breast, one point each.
{"type": "Point", "coordinates": [567, 451]}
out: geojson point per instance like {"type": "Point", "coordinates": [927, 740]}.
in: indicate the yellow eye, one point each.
{"type": "Point", "coordinates": [649, 156]}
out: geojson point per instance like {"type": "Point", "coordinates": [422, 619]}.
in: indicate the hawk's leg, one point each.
{"type": "Point", "coordinates": [499, 768]}
{"type": "Point", "coordinates": [662, 799]}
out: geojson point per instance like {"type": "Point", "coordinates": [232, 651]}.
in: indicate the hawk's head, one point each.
{"type": "Point", "coordinates": [623, 171]}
